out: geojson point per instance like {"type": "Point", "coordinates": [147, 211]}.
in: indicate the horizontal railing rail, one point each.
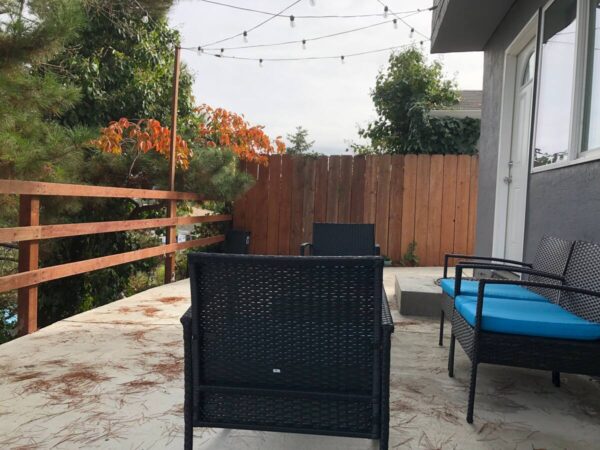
{"type": "Point", "coordinates": [29, 233]}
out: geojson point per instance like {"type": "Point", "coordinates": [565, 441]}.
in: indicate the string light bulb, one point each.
{"type": "Point", "coordinates": [245, 34]}
{"type": "Point", "coordinates": [145, 18]}
{"type": "Point", "coordinates": [200, 50]}
{"type": "Point", "coordinates": [222, 51]}
{"type": "Point", "coordinates": [292, 21]}
{"type": "Point", "coordinates": [395, 21]}
{"type": "Point", "coordinates": [412, 33]}
{"type": "Point", "coordinates": [260, 62]}
{"type": "Point", "coordinates": [386, 10]}
{"type": "Point", "coordinates": [303, 44]}
{"type": "Point", "coordinates": [343, 59]}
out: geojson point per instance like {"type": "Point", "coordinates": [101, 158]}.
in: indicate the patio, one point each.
{"type": "Point", "coordinates": [113, 378]}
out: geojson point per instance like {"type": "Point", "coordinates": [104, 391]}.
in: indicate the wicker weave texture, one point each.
{"type": "Point", "coordinates": [583, 272]}
{"type": "Point", "coordinates": [343, 239]}
{"type": "Point", "coordinates": [552, 256]}
{"type": "Point", "coordinates": [290, 343]}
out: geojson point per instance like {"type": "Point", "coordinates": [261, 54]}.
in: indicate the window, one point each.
{"type": "Point", "coordinates": [556, 83]}
{"type": "Point", "coordinates": [529, 70]}
{"type": "Point", "coordinates": [591, 139]}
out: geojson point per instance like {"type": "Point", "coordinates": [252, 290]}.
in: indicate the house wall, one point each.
{"type": "Point", "coordinates": [563, 202]}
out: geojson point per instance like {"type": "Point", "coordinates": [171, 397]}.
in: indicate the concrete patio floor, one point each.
{"type": "Point", "coordinates": [112, 378]}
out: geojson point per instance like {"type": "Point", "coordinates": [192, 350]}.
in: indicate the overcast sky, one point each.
{"type": "Point", "coordinates": [326, 97]}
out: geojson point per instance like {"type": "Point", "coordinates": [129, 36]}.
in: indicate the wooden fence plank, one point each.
{"type": "Point", "coordinates": [448, 207]}
{"type": "Point", "coordinates": [322, 172]}
{"type": "Point", "coordinates": [384, 168]}
{"type": "Point", "coordinates": [434, 222]}
{"type": "Point", "coordinates": [19, 187]}
{"type": "Point", "coordinates": [408, 201]}
{"type": "Point", "coordinates": [297, 204]}
{"type": "Point", "coordinates": [35, 277]}
{"type": "Point", "coordinates": [422, 207]}
{"type": "Point", "coordinates": [40, 232]}
{"type": "Point", "coordinates": [285, 208]}
{"type": "Point", "coordinates": [345, 189]}
{"type": "Point", "coordinates": [273, 204]}
{"type": "Point", "coordinates": [357, 202]}
{"type": "Point", "coordinates": [395, 218]}
{"type": "Point", "coordinates": [461, 224]}
{"type": "Point", "coordinates": [261, 210]}
{"type": "Point", "coordinates": [252, 170]}
{"type": "Point", "coordinates": [333, 185]}
{"type": "Point", "coordinates": [308, 201]}
{"type": "Point", "coordinates": [474, 189]}
{"type": "Point", "coordinates": [370, 203]}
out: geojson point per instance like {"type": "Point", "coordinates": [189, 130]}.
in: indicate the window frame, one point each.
{"type": "Point", "coordinates": [575, 153]}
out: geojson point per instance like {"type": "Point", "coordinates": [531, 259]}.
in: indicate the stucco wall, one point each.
{"type": "Point", "coordinates": [564, 202]}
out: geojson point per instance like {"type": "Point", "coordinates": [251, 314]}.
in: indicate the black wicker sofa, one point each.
{"type": "Point", "coordinates": [560, 336]}
{"type": "Point", "coordinates": [289, 344]}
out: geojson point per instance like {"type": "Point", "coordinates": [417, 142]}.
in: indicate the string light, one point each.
{"type": "Point", "coordinates": [412, 33]}
{"type": "Point", "coordinates": [312, 2]}
{"type": "Point", "coordinates": [245, 36]}
{"type": "Point", "coordinates": [222, 51]}
{"type": "Point", "coordinates": [395, 23]}
{"type": "Point", "coordinates": [387, 9]}
{"type": "Point", "coordinates": [145, 18]}
{"type": "Point", "coordinates": [292, 21]}
{"type": "Point", "coordinates": [200, 50]}
{"type": "Point", "coordinates": [260, 62]}
{"type": "Point", "coordinates": [303, 44]}
{"type": "Point", "coordinates": [343, 59]}
{"type": "Point", "coordinates": [385, 12]}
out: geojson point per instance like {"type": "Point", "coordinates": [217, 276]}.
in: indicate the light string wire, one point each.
{"type": "Point", "coordinates": [287, 16]}
{"type": "Point", "coordinates": [300, 41]}
{"type": "Point", "coordinates": [387, 8]}
{"type": "Point", "coordinates": [245, 32]}
{"type": "Point", "coordinates": [307, 58]}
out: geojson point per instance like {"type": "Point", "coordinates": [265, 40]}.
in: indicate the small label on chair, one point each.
{"type": "Point", "coordinates": [276, 370]}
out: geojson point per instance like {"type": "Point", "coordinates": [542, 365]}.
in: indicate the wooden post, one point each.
{"type": "Point", "coordinates": [29, 214]}
{"type": "Point", "coordinates": [172, 205]}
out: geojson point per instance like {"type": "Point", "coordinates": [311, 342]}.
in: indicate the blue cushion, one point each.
{"type": "Point", "coordinates": [528, 318]}
{"type": "Point", "coordinates": [508, 291]}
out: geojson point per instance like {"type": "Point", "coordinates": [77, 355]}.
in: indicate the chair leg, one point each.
{"type": "Point", "coordinates": [441, 342]}
{"type": "Point", "coordinates": [451, 356]}
{"type": "Point", "coordinates": [471, 405]}
{"type": "Point", "coordinates": [556, 378]}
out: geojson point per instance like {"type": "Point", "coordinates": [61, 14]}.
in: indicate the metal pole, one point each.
{"type": "Point", "coordinates": [172, 205]}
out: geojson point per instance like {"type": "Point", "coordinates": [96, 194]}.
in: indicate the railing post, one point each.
{"type": "Point", "coordinates": [171, 239]}
{"type": "Point", "coordinates": [29, 215]}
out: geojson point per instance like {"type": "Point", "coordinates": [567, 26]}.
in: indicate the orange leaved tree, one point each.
{"type": "Point", "coordinates": [221, 128]}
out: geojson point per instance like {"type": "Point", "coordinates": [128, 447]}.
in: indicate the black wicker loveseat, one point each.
{"type": "Point", "coordinates": [289, 344]}
{"type": "Point", "coordinates": [548, 266]}
{"type": "Point", "coordinates": [342, 239]}
{"type": "Point", "coordinates": [560, 336]}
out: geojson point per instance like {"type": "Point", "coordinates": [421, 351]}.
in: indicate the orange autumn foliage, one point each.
{"type": "Point", "coordinates": [222, 128]}
{"type": "Point", "coordinates": [144, 135]}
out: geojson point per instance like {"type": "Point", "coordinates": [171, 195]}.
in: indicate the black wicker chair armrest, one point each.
{"type": "Point", "coordinates": [448, 256]}
{"type": "Point", "coordinates": [523, 270]}
{"type": "Point", "coordinates": [386, 315]}
{"type": "Point", "coordinates": [377, 250]}
{"type": "Point", "coordinates": [304, 246]}
{"type": "Point", "coordinates": [186, 319]}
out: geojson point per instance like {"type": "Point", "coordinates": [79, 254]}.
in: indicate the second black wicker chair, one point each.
{"type": "Point", "coordinates": [290, 344]}
{"type": "Point", "coordinates": [342, 239]}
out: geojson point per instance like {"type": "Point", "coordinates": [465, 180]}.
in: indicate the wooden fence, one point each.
{"type": "Point", "coordinates": [428, 199]}
{"type": "Point", "coordinates": [30, 232]}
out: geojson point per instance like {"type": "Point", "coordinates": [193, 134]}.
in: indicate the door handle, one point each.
{"type": "Point", "coordinates": [508, 180]}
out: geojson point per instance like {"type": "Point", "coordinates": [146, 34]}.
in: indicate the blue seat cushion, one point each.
{"type": "Point", "coordinates": [508, 291]}
{"type": "Point", "coordinates": [528, 318]}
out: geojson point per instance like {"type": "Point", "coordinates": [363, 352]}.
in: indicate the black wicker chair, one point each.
{"type": "Point", "coordinates": [342, 239]}
{"type": "Point", "coordinates": [550, 261]}
{"type": "Point", "coordinates": [476, 327]}
{"type": "Point", "coordinates": [236, 242]}
{"type": "Point", "coordinates": [289, 344]}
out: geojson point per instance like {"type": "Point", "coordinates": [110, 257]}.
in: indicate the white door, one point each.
{"type": "Point", "coordinates": [518, 165]}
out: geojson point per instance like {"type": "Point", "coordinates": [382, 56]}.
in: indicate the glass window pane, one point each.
{"type": "Point", "coordinates": [529, 70]}
{"type": "Point", "coordinates": [556, 83]}
{"type": "Point", "coordinates": [592, 135]}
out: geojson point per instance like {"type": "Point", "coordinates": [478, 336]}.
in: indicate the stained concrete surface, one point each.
{"type": "Point", "coordinates": [112, 378]}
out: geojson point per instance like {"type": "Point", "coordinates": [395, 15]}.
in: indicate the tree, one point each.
{"type": "Point", "coordinates": [403, 96]}
{"type": "Point", "coordinates": [299, 143]}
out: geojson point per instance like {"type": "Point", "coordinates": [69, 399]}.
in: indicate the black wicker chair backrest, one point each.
{"type": "Point", "coordinates": [236, 242]}
{"type": "Point", "coordinates": [583, 272]}
{"type": "Point", "coordinates": [303, 323]}
{"type": "Point", "coordinates": [343, 239]}
{"type": "Point", "coordinates": [552, 256]}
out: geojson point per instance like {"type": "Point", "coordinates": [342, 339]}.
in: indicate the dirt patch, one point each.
{"type": "Point", "coordinates": [171, 370]}
{"type": "Point", "coordinates": [150, 311]}
{"type": "Point", "coordinates": [136, 386]}
{"type": "Point", "coordinates": [171, 300]}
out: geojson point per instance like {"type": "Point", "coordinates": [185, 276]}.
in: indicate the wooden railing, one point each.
{"type": "Point", "coordinates": [30, 232]}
